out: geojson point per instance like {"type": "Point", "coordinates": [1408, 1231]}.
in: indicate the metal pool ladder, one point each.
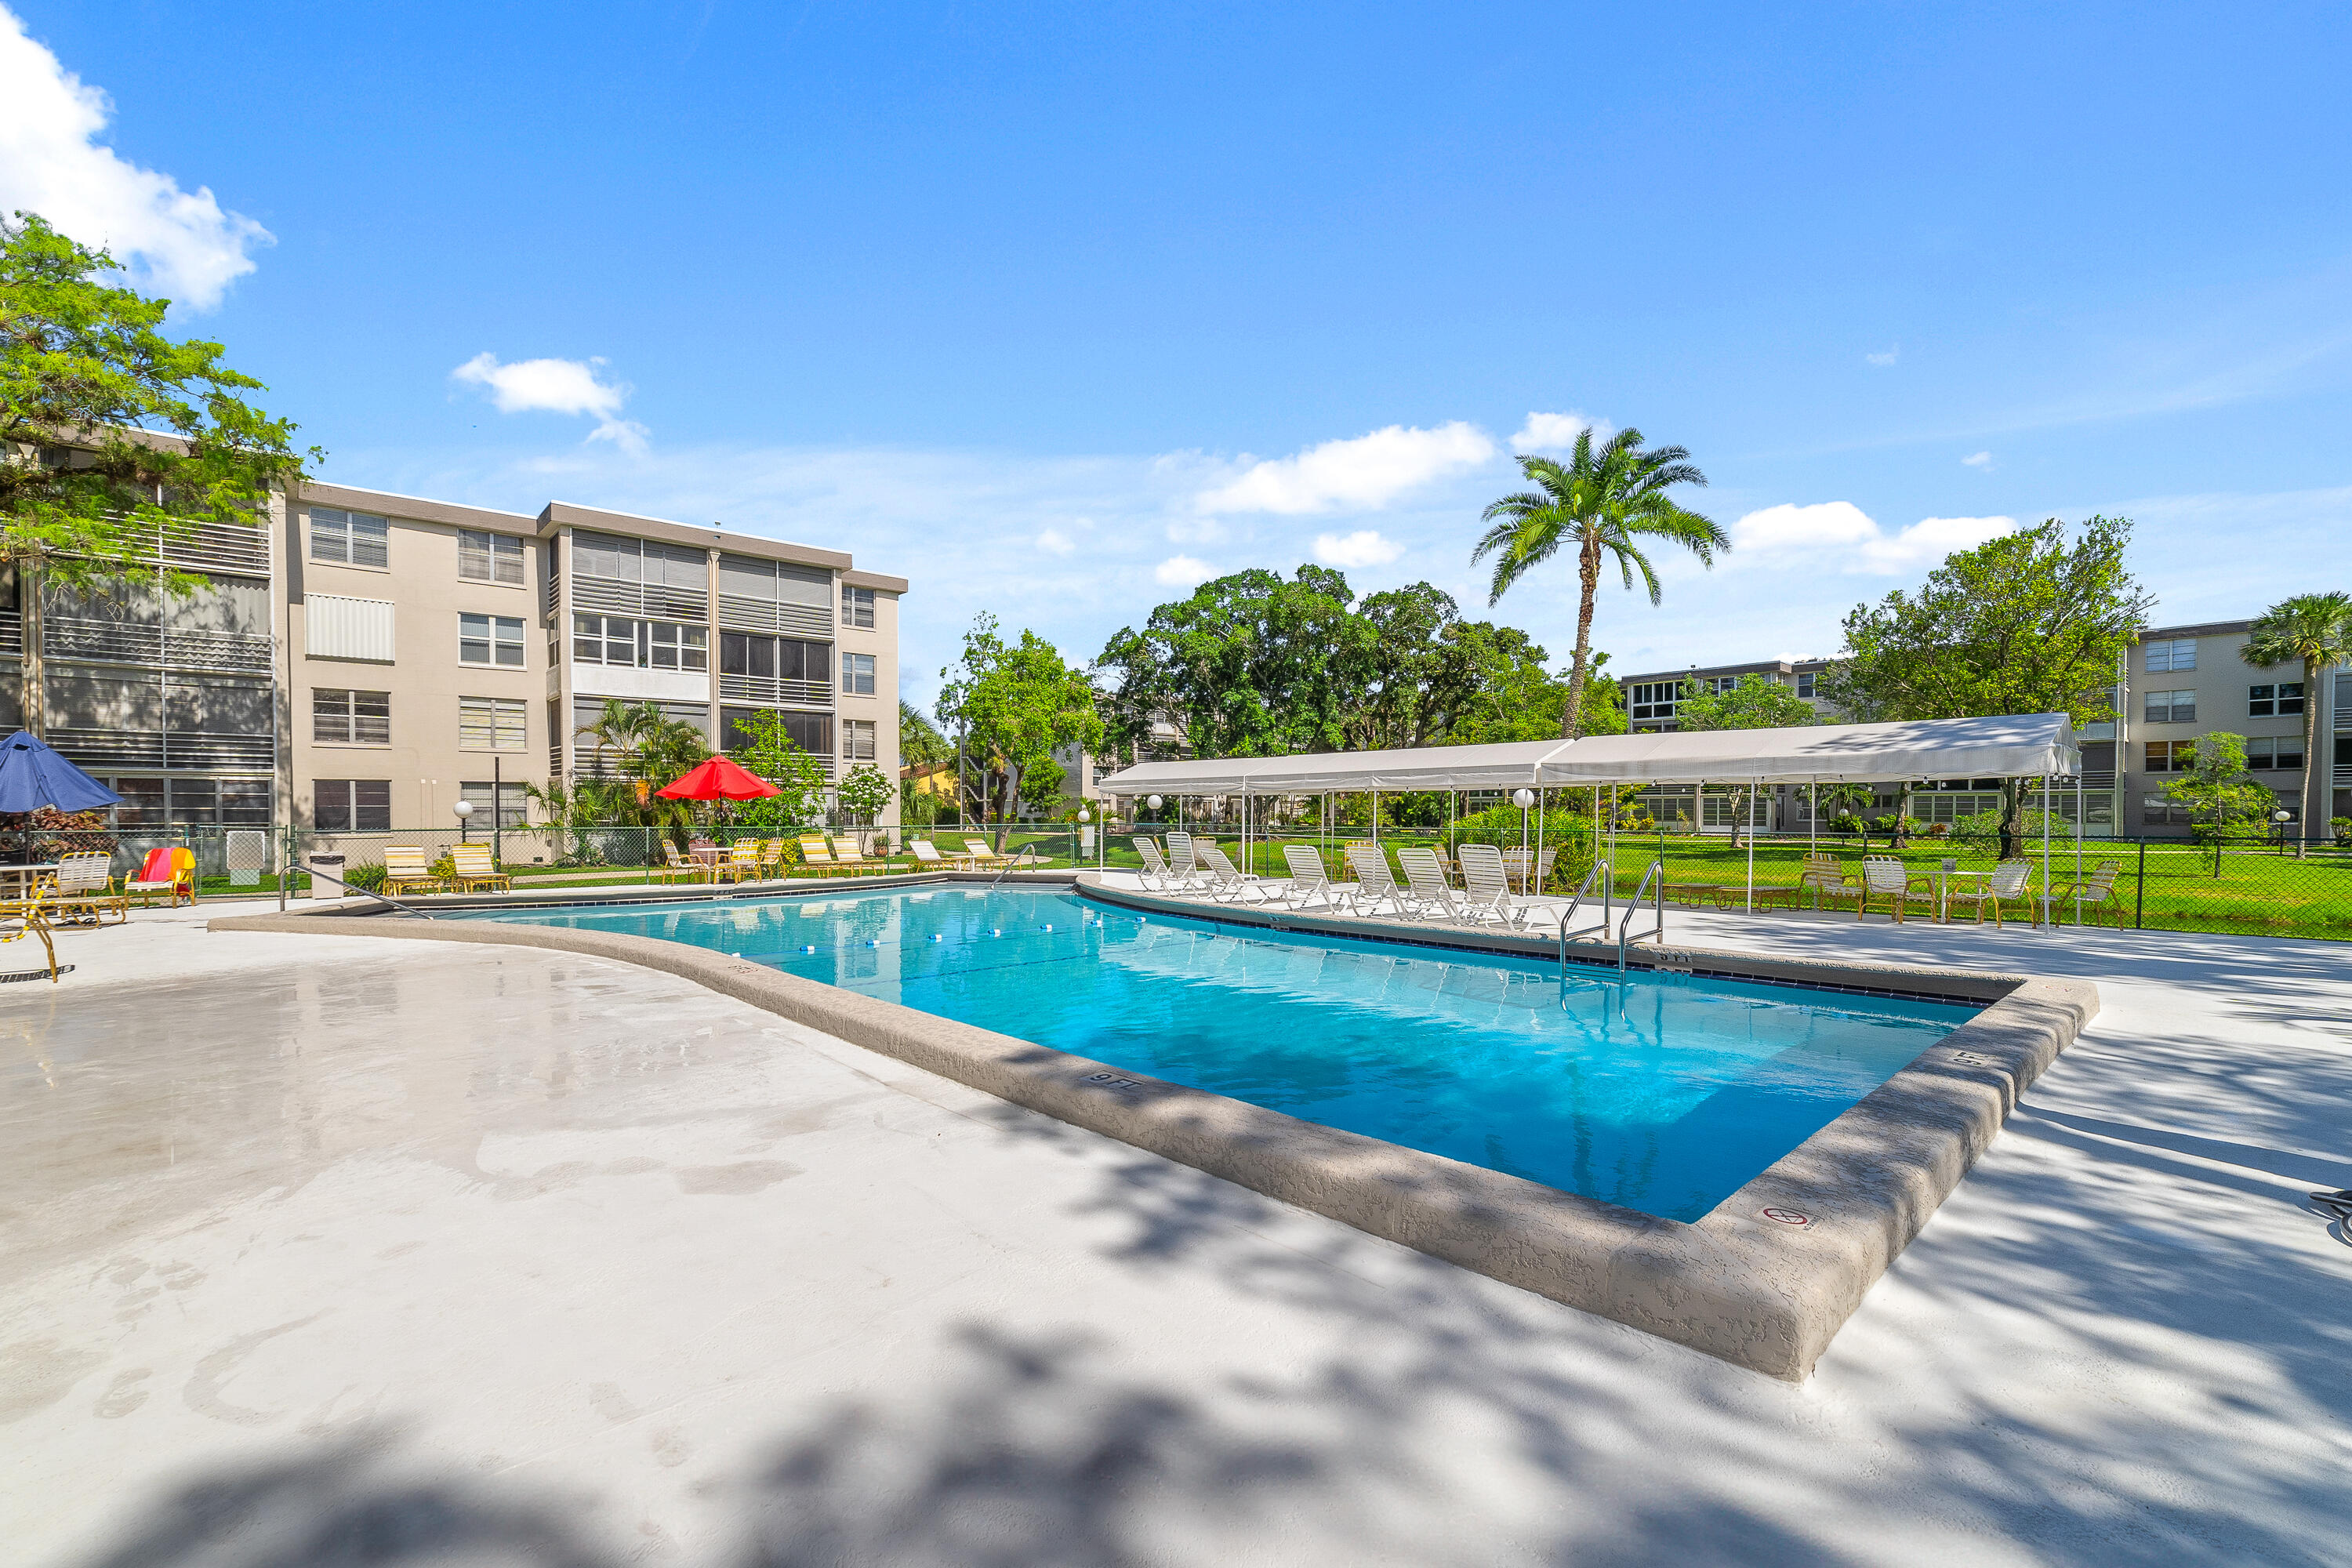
{"type": "Point", "coordinates": [1657, 873]}
{"type": "Point", "coordinates": [1601, 869]}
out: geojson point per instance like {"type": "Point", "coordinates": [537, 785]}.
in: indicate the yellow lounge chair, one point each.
{"type": "Point", "coordinates": [406, 870]}
{"type": "Point", "coordinates": [475, 868]}
{"type": "Point", "coordinates": [845, 851]}
{"type": "Point", "coordinates": [982, 855]}
{"type": "Point", "coordinates": [676, 863]}
{"type": "Point", "coordinates": [817, 856]}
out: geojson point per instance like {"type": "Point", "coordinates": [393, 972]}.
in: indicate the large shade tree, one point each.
{"type": "Point", "coordinates": [1605, 502]}
{"type": "Point", "coordinates": [2315, 631]}
{"type": "Point", "coordinates": [1014, 704]}
{"type": "Point", "coordinates": [114, 436]}
{"type": "Point", "coordinates": [2034, 622]}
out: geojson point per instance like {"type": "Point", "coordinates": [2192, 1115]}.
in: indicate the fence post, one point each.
{"type": "Point", "coordinates": [2139, 890]}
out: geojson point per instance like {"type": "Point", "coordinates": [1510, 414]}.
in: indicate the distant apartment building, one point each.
{"type": "Point", "coordinates": [2177, 683]}
{"type": "Point", "coordinates": [368, 659]}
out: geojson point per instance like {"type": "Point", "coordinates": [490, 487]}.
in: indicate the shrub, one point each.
{"type": "Point", "coordinates": [2341, 827]}
{"type": "Point", "coordinates": [369, 878]}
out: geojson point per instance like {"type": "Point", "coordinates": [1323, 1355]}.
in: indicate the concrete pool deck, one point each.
{"type": "Point", "coordinates": [357, 1249]}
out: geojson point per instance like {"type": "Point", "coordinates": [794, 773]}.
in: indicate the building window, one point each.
{"type": "Point", "coordinates": [352, 805]}
{"type": "Point", "coordinates": [2172, 706]}
{"type": "Point", "coordinates": [856, 606]}
{"type": "Point", "coordinates": [492, 724]}
{"type": "Point", "coordinates": [642, 645]}
{"type": "Point", "coordinates": [2280, 751]}
{"type": "Point", "coordinates": [491, 640]}
{"type": "Point", "coordinates": [351, 718]}
{"type": "Point", "coordinates": [1805, 684]}
{"type": "Point", "coordinates": [2274, 702]}
{"type": "Point", "coordinates": [143, 803]}
{"type": "Point", "coordinates": [2168, 756]}
{"type": "Point", "coordinates": [2180, 653]}
{"type": "Point", "coordinates": [775, 658]}
{"type": "Point", "coordinates": [349, 538]}
{"type": "Point", "coordinates": [812, 733]}
{"type": "Point", "coordinates": [485, 557]}
{"type": "Point", "coordinates": [858, 674]}
{"type": "Point", "coordinates": [670, 645]}
{"type": "Point", "coordinates": [1651, 699]}
{"type": "Point", "coordinates": [857, 740]}
{"type": "Point", "coordinates": [2156, 811]}
{"type": "Point", "coordinates": [513, 805]}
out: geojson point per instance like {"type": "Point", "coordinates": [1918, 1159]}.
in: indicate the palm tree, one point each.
{"type": "Point", "coordinates": [2316, 628]}
{"type": "Point", "coordinates": [1603, 503]}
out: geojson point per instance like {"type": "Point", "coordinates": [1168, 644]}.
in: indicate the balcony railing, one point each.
{"type": "Point", "coordinates": [655, 601]}
{"type": "Point", "coordinates": [742, 615]}
{"type": "Point", "coordinates": [114, 747]}
{"type": "Point", "coordinates": [768, 688]}
{"type": "Point", "coordinates": [12, 631]}
{"type": "Point", "coordinates": [133, 642]}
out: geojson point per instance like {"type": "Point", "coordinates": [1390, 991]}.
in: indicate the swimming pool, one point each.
{"type": "Point", "coordinates": [1664, 1093]}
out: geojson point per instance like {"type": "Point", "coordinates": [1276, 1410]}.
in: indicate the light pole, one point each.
{"type": "Point", "coordinates": [465, 812]}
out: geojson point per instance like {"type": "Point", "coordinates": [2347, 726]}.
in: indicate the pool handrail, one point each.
{"type": "Point", "coordinates": [1657, 873]}
{"type": "Point", "coordinates": [363, 892]}
{"type": "Point", "coordinates": [1569, 913]}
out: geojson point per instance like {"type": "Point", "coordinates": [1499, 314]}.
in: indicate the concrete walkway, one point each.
{"type": "Point", "coordinates": [336, 1250]}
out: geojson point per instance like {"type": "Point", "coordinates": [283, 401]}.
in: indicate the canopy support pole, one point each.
{"type": "Point", "coordinates": [1755, 790]}
{"type": "Point", "coordinates": [2078, 842]}
{"type": "Point", "coordinates": [2044, 791]}
{"type": "Point", "coordinates": [1376, 819]}
{"type": "Point", "coordinates": [1535, 883]}
{"type": "Point", "coordinates": [1813, 817]}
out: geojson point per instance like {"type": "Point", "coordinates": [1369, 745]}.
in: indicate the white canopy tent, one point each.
{"type": "Point", "coordinates": [2035, 745]}
{"type": "Point", "coordinates": [2039, 745]}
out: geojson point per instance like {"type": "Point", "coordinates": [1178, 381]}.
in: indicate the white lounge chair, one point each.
{"type": "Point", "coordinates": [1425, 874]}
{"type": "Point", "coordinates": [1486, 889]}
{"type": "Point", "coordinates": [926, 853]}
{"type": "Point", "coordinates": [1183, 863]}
{"type": "Point", "coordinates": [1308, 881]}
{"type": "Point", "coordinates": [1227, 882]}
{"type": "Point", "coordinates": [1378, 884]}
{"type": "Point", "coordinates": [1156, 876]}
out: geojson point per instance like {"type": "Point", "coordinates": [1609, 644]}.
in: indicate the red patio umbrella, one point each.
{"type": "Point", "coordinates": [717, 779]}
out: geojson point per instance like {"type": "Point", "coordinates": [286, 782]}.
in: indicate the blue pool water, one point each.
{"type": "Point", "coordinates": [1664, 1093]}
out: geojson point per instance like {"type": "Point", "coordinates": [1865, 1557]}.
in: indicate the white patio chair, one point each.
{"type": "Point", "coordinates": [1486, 895]}
{"type": "Point", "coordinates": [1183, 864]}
{"type": "Point", "coordinates": [1308, 881]}
{"type": "Point", "coordinates": [1155, 875]}
{"type": "Point", "coordinates": [1227, 883]}
{"type": "Point", "coordinates": [1425, 874]}
{"type": "Point", "coordinates": [1377, 882]}
{"type": "Point", "coordinates": [2007, 886]}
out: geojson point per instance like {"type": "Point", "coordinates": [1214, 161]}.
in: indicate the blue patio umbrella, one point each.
{"type": "Point", "coordinates": [33, 774]}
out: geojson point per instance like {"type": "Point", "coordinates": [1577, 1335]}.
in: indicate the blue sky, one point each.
{"type": "Point", "coordinates": [1053, 310]}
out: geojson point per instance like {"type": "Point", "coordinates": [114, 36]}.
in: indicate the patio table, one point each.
{"type": "Point", "coordinates": [16, 878]}
{"type": "Point", "coordinates": [1944, 893]}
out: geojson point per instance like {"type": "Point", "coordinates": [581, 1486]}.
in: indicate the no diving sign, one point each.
{"type": "Point", "coordinates": [1790, 1218]}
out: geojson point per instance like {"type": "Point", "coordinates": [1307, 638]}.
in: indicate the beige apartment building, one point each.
{"type": "Point", "coordinates": [435, 653]}
{"type": "Point", "coordinates": [2177, 683]}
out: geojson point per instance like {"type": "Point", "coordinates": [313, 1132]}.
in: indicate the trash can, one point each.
{"type": "Point", "coordinates": [333, 865]}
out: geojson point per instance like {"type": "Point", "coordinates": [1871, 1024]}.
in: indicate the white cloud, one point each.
{"type": "Point", "coordinates": [1183, 572]}
{"type": "Point", "coordinates": [1363, 548]}
{"type": "Point", "coordinates": [1926, 542]}
{"type": "Point", "coordinates": [1558, 432]}
{"type": "Point", "coordinates": [1978, 461]}
{"type": "Point", "coordinates": [557, 386]}
{"type": "Point", "coordinates": [1366, 472]}
{"type": "Point", "coordinates": [1054, 541]}
{"type": "Point", "coordinates": [1845, 534]}
{"type": "Point", "coordinates": [174, 242]}
{"type": "Point", "coordinates": [1889, 357]}
{"type": "Point", "coordinates": [1788, 527]}
{"type": "Point", "coordinates": [1196, 530]}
